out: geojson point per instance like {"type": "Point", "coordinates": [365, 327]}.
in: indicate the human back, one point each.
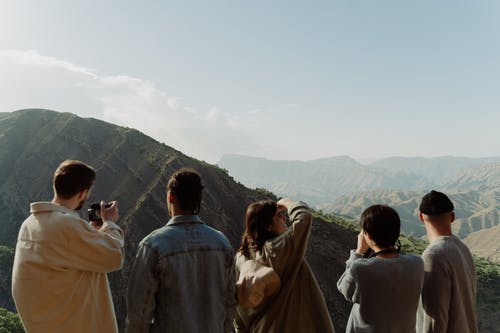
{"type": "Point", "coordinates": [449, 291]}
{"type": "Point", "coordinates": [182, 279]}
{"type": "Point", "coordinates": [386, 294]}
{"type": "Point", "coordinates": [299, 305]}
{"type": "Point", "coordinates": [383, 285]}
{"type": "Point", "coordinates": [59, 281]}
{"type": "Point", "coordinates": [447, 259]}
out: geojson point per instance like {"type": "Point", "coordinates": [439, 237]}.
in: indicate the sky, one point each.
{"type": "Point", "coordinates": [295, 80]}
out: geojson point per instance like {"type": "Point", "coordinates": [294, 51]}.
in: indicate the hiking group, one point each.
{"type": "Point", "coordinates": [186, 276]}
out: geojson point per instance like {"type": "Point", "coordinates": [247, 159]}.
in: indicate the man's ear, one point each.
{"type": "Point", "coordinates": [82, 194]}
{"type": "Point", "coordinates": [421, 217]}
{"type": "Point", "coordinates": [452, 217]}
{"type": "Point", "coordinates": [170, 197]}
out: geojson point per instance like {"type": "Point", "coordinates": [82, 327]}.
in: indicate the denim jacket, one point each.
{"type": "Point", "coordinates": [182, 280]}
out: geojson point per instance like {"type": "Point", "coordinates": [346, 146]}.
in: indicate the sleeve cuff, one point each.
{"type": "Point", "coordinates": [109, 225]}
{"type": "Point", "coordinates": [353, 255]}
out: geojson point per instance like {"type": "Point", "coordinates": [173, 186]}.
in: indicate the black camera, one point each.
{"type": "Point", "coordinates": [95, 211]}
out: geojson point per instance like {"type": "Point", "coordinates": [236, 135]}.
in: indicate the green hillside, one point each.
{"type": "Point", "coordinates": [9, 322]}
{"type": "Point", "coordinates": [133, 169]}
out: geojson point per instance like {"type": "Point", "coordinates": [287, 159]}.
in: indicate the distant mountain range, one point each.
{"type": "Point", "coordinates": [317, 181]}
{"type": "Point", "coordinates": [475, 210]}
{"type": "Point", "coordinates": [133, 169]}
{"type": "Point", "coordinates": [485, 243]}
{"type": "Point", "coordinates": [438, 170]}
{"type": "Point", "coordinates": [342, 185]}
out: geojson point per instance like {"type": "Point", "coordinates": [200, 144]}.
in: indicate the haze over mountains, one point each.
{"type": "Point", "coordinates": [323, 180]}
{"type": "Point", "coordinates": [134, 169]}
{"type": "Point", "coordinates": [342, 185]}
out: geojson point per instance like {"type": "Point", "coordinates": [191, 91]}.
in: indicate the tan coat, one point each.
{"type": "Point", "coordinates": [299, 306]}
{"type": "Point", "coordinates": [59, 281]}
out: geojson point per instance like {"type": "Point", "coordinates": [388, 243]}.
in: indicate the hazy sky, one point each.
{"type": "Point", "coordinates": [276, 79]}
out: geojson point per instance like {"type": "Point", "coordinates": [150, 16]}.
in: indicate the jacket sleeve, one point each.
{"type": "Point", "coordinates": [347, 284]}
{"type": "Point", "coordinates": [290, 247]}
{"type": "Point", "coordinates": [143, 285]}
{"type": "Point", "coordinates": [88, 249]}
{"type": "Point", "coordinates": [436, 296]}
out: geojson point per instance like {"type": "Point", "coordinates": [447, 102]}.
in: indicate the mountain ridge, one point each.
{"type": "Point", "coordinates": [134, 169]}
{"type": "Point", "coordinates": [319, 181]}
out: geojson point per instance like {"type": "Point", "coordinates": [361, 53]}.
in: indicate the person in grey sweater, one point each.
{"type": "Point", "coordinates": [449, 291]}
{"type": "Point", "coordinates": [384, 285]}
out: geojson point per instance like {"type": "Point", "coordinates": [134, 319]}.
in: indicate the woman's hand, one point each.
{"type": "Point", "coordinates": [285, 202]}
{"type": "Point", "coordinates": [362, 244]}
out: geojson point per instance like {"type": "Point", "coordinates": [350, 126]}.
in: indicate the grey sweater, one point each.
{"type": "Point", "coordinates": [385, 293]}
{"type": "Point", "coordinates": [449, 292]}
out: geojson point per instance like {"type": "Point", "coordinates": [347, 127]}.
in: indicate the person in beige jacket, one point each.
{"type": "Point", "coordinates": [59, 281]}
{"type": "Point", "coordinates": [298, 306]}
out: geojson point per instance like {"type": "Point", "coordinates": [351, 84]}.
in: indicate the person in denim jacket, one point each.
{"type": "Point", "coordinates": [183, 277]}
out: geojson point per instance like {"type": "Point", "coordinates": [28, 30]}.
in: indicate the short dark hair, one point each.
{"type": "Point", "coordinates": [258, 217]}
{"type": "Point", "coordinates": [382, 223]}
{"type": "Point", "coordinates": [72, 177]}
{"type": "Point", "coordinates": [435, 203]}
{"type": "Point", "coordinates": [185, 184]}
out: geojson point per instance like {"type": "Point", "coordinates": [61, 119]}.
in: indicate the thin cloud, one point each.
{"type": "Point", "coordinates": [123, 100]}
{"type": "Point", "coordinates": [34, 58]}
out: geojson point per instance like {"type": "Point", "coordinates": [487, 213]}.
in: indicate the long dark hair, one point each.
{"type": "Point", "coordinates": [258, 218]}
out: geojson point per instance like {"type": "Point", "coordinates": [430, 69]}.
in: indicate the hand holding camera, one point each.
{"type": "Point", "coordinates": [362, 244]}
{"type": "Point", "coordinates": [99, 212]}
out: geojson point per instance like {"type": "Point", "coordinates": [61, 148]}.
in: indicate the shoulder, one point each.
{"type": "Point", "coordinates": [362, 266]}
{"type": "Point", "coordinates": [412, 258]}
{"type": "Point", "coordinates": [414, 262]}
{"type": "Point", "coordinates": [66, 221]}
{"type": "Point", "coordinates": [239, 259]}
{"type": "Point", "coordinates": [155, 237]}
{"type": "Point", "coordinates": [218, 236]}
{"type": "Point", "coordinates": [442, 248]}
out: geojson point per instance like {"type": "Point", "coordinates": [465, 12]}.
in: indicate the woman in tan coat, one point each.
{"type": "Point", "coordinates": [299, 305]}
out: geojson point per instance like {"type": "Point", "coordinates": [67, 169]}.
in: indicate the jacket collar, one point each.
{"type": "Point", "coordinates": [44, 206]}
{"type": "Point", "coordinates": [184, 219]}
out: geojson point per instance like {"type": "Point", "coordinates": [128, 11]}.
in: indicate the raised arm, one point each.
{"type": "Point", "coordinates": [347, 284]}
{"type": "Point", "coordinates": [91, 249]}
{"type": "Point", "coordinates": [290, 247]}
